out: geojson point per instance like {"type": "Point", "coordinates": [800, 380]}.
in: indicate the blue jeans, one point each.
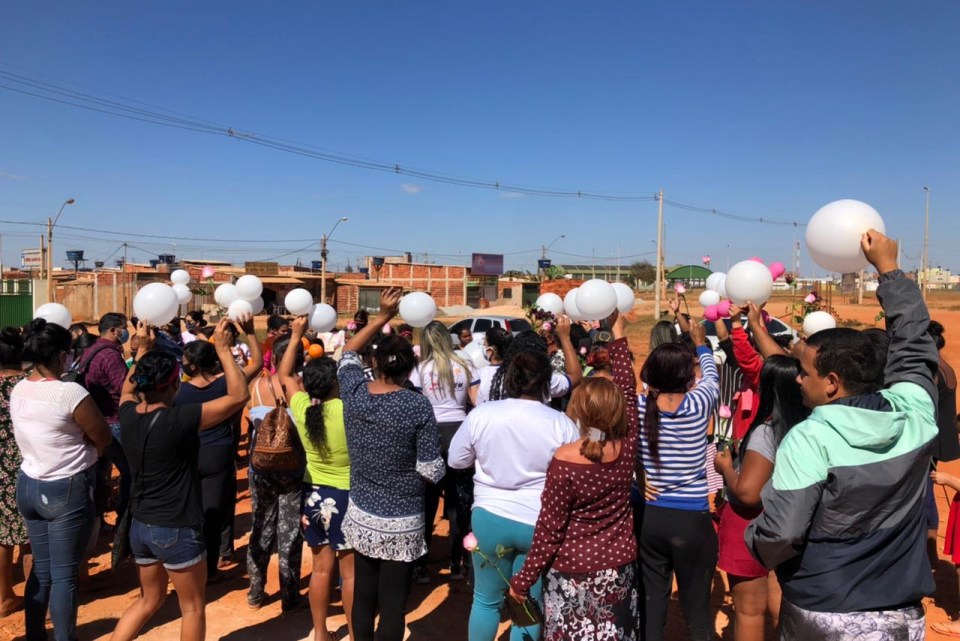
{"type": "Point", "coordinates": [59, 516]}
{"type": "Point", "coordinates": [492, 530]}
{"type": "Point", "coordinates": [176, 547]}
{"type": "Point", "coordinates": [116, 455]}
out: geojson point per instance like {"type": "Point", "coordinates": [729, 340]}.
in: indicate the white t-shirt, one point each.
{"type": "Point", "coordinates": [559, 384]}
{"type": "Point", "coordinates": [51, 442]}
{"type": "Point", "coordinates": [447, 408]}
{"type": "Point", "coordinates": [512, 443]}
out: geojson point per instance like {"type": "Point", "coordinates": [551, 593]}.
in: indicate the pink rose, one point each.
{"type": "Point", "coordinates": [207, 272]}
{"type": "Point", "coordinates": [810, 299]}
{"type": "Point", "coordinates": [548, 326]}
{"type": "Point", "coordinates": [583, 351]}
{"type": "Point", "coordinates": [470, 543]}
{"type": "Point", "coordinates": [387, 329]}
{"type": "Point", "coordinates": [724, 411]}
{"type": "Point", "coordinates": [706, 259]}
{"type": "Point", "coordinates": [679, 288]}
{"type": "Point", "coordinates": [351, 326]}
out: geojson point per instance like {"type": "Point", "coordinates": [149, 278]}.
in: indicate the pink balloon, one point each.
{"type": "Point", "coordinates": [711, 313]}
{"type": "Point", "coordinates": [777, 270]}
{"type": "Point", "coordinates": [723, 308]}
{"type": "Point", "coordinates": [756, 258]}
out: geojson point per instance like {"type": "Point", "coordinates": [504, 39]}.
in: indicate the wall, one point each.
{"type": "Point", "coordinates": [559, 286]}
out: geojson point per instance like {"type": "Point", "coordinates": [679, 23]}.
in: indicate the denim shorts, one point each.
{"type": "Point", "coordinates": [323, 509]}
{"type": "Point", "coordinates": [176, 547]}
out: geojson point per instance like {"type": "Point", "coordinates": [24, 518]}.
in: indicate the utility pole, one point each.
{"type": "Point", "coordinates": [618, 261]}
{"type": "Point", "coordinates": [658, 291]}
{"type": "Point", "coordinates": [50, 224]}
{"type": "Point", "coordinates": [925, 264]}
{"type": "Point", "coordinates": [323, 260]}
{"type": "Point", "coordinates": [126, 285]}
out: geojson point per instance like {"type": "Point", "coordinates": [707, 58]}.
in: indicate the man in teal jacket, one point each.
{"type": "Point", "coordinates": [843, 520]}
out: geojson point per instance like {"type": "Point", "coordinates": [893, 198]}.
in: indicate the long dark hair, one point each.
{"type": "Point", "coordinates": [201, 358]}
{"type": "Point", "coordinates": [669, 370]}
{"type": "Point", "coordinates": [11, 347]}
{"type": "Point", "coordinates": [526, 341]}
{"type": "Point", "coordinates": [781, 404]}
{"type": "Point", "coordinates": [319, 380]}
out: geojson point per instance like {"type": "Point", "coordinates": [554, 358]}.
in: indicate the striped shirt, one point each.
{"type": "Point", "coordinates": [681, 476]}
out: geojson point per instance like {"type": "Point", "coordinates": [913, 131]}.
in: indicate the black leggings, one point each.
{"type": "Point", "coordinates": [218, 493]}
{"type": "Point", "coordinates": [384, 586]}
{"type": "Point", "coordinates": [681, 542]}
{"type": "Point", "coordinates": [457, 489]}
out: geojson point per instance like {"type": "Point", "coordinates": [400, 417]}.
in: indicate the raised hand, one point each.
{"type": "Point", "coordinates": [879, 250]}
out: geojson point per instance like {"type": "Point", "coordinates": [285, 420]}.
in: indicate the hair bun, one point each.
{"type": "Point", "coordinates": [36, 325]}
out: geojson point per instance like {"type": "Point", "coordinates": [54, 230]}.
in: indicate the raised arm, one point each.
{"type": "Point", "coordinates": [765, 343]}
{"type": "Point", "coordinates": [289, 381]}
{"type": "Point", "coordinates": [571, 360]}
{"type": "Point", "coordinates": [220, 409]}
{"type": "Point", "coordinates": [912, 356]}
{"type": "Point", "coordinates": [255, 364]}
{"type": "Point", "coordinates": [389, 305]}
{"type": "Point", "coordinates": [750, 362]}
{"type": "Point", "coordinates": [624, 376]}
{"type": "Point", "coordinates": [146, 339]}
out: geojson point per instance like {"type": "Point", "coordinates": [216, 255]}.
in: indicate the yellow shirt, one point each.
{"type": "Point", "coordinates": [334, 471]}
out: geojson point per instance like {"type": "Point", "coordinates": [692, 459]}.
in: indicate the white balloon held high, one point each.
{"type": "Point", "coordinates": [55, 313]}
{"type": "Point", "coordinates": [180, 277]}
{"type": "Point", "coordinates": [817, 322]}
{"type": "Point", "coordinates": [298, 301]}
{"type": "Point", "coordinates": [156, 304]}
{"type": "Point", "coordinates": [418, 309]}
{"type": "Point", "coordinates": [834, 231]}
{"type": "Point", "coordinates": [596, 299]}
{"type": "Point", "coordinates": [625, 297]}
{"type": "Point", "coordinates": [249, 287]}
{"type": "Point", "coordinates": [550, 302]}
{"type": "Point", "coordinates": [749, 281]}
{"type": "Point", "coordinates": [323, 318]}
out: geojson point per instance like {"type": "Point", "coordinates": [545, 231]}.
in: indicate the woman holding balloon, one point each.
{"type": "Point", "coordinates": [394, 450]}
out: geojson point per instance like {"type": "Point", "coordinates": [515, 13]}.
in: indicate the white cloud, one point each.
{"type": "Point", "coordinates": [9, 176]}
{"type": "Point", "coordinates": [410, 188]}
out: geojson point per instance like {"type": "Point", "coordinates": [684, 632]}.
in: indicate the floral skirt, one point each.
{"type": "Point", "coordinates": [595, 605]}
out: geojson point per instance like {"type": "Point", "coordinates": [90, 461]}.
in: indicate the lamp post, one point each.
{"type": "Point", "coordinates": [925, 263]}
{"type": "Point", "coordinates": [323, 259]}
{"type": "Point", "coordinates": [545, 248]}
{"type": "Point", "coordinates": [50, 225]}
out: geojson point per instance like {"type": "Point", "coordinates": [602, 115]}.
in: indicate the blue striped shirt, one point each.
{"type": "Point", "coordinates": [681, 476]}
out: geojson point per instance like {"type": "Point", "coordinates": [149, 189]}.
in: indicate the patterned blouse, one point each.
{"type": "Point", "coordinates": [586, 521]}
{"type": "Point", "coordinates": [394, 450]}
{"type": "Point", "coordinates": [13, 531]}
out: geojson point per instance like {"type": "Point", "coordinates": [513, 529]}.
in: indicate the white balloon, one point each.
{"type": "Point", "coordinates": [249, 287]}
{"type": "Point", "coordinates": [298, 301]}
{"type": "Point", "coordinates": [713, 279]}
{"type": "Point", "coordinates": [550, 302]}
{"type": "Point", "coordinates": [184, 295]}
{"type": "Point", "coordinates": [749, 281]}
{"type": "Point", "coordinates": [817, 322]}
{"type": "Point", "coordinates": [156, 304]}
{"type": "Point", "coordinates": [721, 286]}
{"type": "Point", "coordinates": [596, 299]}
{"type": "Point", "coordinates": [180, 277]}
{"type": "Point", "coordinates": [625, 297]}
{"type": "Point", "coordinates": [55, 313]}
{"type": "Point", "coordinates": [477, 354]}
{"type": "Point", "coordinates": [708, 298]}
{"type": "Point", "coordinates": [833, 234]}
{"type": "Point", "coordinates": [257, 305]}
{"type": "Point", "coordinates": [238, 308]}
{"type": "Point", "coordinates": [323, 318]}
{"type": "Point", "coordinates": [570, 305]}
{"type": "Point", "coordinates": [418, 309]}
{"type": "Point", "coordinates": [225, 294]}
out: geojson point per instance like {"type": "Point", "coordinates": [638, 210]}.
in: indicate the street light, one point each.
{"type": "Point", "coordinates": [925, 264]}
{"type": "Point", "coordinates": [543, 252]}
{"type": "Point", "coordinates": [323, 259]}
{"type": "Point", "coordinates": [50, 225]}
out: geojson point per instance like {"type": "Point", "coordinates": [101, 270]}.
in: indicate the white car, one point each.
{"type": "Point", "coordinates": [478, 326]}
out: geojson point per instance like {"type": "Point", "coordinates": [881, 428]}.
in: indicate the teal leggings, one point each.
{"type": "Point", "coordinates": [492, 530]}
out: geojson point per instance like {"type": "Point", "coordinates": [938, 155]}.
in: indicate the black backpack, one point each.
{"type": "Point", "coordinates": [78, 372]}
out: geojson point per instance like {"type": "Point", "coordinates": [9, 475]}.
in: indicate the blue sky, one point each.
{"type": "Point", "coordinates": [761, 109]}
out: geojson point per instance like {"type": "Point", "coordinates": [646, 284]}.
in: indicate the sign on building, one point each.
{"type": "Point", "coordinates": [487, 265]}
{"type": "Point", "coordinates": [261, 268]}
{"type": "Point", "coordinates": [31, 259]}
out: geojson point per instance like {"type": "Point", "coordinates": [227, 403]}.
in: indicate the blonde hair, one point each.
{"type": "Point", "coordinates": [436, 346]}
{"type": "Point", "coordinates": [598, 403]}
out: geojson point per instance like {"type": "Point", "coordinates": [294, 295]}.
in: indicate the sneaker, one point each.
{"type": "Point", "coordinates": [456, 572]}
{"type": "Point", "coordinates": [421, 576]}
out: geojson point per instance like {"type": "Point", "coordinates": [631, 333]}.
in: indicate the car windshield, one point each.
{"type": "Point", "coordinates": [519, 325]}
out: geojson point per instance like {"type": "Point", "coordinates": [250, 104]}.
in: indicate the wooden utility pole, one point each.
{"type": "Point", "coordinates": [658, 290]}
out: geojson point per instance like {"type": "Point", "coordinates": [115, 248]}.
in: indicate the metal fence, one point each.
{"type": "Point", "coordinates": [16, 302]}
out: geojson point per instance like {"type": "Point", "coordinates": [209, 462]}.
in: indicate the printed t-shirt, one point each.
{"type": "Point", "coordinates": [447, 407]}
{"type": "Point", "coordinates": [166, 486]}
{"type": "Point", "coordinates": [334, 471]}
{"type": "Point", "coordinates": [559, 384]}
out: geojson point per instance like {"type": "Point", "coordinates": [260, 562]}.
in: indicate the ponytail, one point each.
{"type": "Point", "coordinates": [316, 430]}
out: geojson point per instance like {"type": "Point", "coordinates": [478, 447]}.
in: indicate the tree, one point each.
{"type": "Point", "coordinates": [643, 271]}
{"type": "Point", "coordinates": [555, 271]}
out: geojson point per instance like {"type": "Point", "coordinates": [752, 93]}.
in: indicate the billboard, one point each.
{"type": "Point", "coordinates": [31, 259]}
{"type": "Point", "coordinates": [487, 265]}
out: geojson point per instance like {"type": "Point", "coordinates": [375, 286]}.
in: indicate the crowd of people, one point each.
{"type": "Point", "coordinates": [576, 491]}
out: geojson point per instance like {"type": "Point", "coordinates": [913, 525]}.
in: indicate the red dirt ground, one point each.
{"type": "Point", "coordinates": [437, 612]}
